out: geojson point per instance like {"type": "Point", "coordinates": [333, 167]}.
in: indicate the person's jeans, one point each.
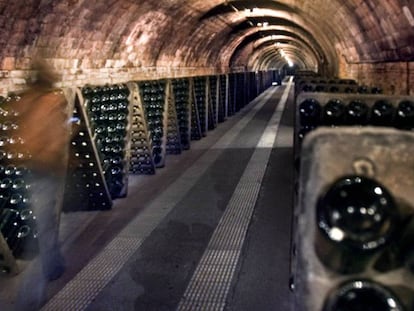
{"type": "Point", "coordinates": [49, 264]}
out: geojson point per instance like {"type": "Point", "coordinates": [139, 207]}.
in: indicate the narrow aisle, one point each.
{"type": "Point", "coordinates": [211, 282]}
{"type": "Point", "coordinates": [262, 281]}
{"type": "Point", "coordinates": [153, 258]}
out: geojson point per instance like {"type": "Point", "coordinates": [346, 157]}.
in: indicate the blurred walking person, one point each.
{"type": "Point", "coordinates": [42, 125]}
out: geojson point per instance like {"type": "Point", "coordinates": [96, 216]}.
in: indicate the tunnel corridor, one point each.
{"type": "Point", "coordinates": [193, 186]}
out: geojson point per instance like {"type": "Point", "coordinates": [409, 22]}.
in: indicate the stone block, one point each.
{"type": "Point", "coordinates": [8, 63]}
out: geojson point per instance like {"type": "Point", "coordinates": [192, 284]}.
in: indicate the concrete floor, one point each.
{"type": "Point", "coordinates": [170, 219]}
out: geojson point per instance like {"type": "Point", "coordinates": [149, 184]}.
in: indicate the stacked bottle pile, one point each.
{"type": "Point", "coordinates": [130, 128]}
{"type": "Point", "coordinates": [108, 114]}
{"type": "Point", "coordinates": [222, 98]}
{"type": "Point", "coordinates": [141, 158]}
{"type": "Point", "coordinates": [200, 97]}
{"type": "Point", "coordinates": [181, 88]}
{"type": "Point", "coordinates": [173, 137]}
{"type": "Point", "coordinates": [359, 220]}
{"type": "Point", "coordinates": [356, 221]}
{"type": "Point", "coordinates": [17, 221]}
{"type": "Point", "coordinates": [252, 85]}
{"type": "Point", "coordinates": [212, 113]}
{"type": "Point", "coordinates": [85, 188]}
{"type": "Point", "coordinates": [348, 86]}
{"type": "Point", "coordinates": [196, 132]}
{"type": "Point", "coordinates": [153, 100]}
{"type": "Point", "coordinates": [382, 111]}
{"type": "Point", "coordinates": [241, 92]}
{"type": "Point", "coordinates": [231, 105]}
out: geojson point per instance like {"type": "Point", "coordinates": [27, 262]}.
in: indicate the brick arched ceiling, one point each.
{"type": "Point", "coordinates": [213, 34]}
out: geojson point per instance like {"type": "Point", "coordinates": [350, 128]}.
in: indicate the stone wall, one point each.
{"type": "Point", "coordinates": [393, 77]}
{"type": "Point", "coordinates": [78, 73]}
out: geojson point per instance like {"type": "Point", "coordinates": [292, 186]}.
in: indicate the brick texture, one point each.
{"type": "Point", "coordinates": [119, 40]}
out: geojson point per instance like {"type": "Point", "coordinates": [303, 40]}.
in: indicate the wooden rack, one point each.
{"type": "Point", "coordinates": [196, 129]}
{"type": "Point", "coordinates": [173, 137]}
{"type": "Point", "coordinates": [140, 149]}
{"type": "Point", "coordinates": [155, 103]}
{"type": "Point", "coordinates": [85, 188]}
{"type": "Point", "coordinates": [183, 102]}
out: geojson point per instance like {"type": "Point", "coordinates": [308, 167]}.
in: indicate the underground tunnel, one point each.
{"type": "Point", "coordinates": [206, 155]}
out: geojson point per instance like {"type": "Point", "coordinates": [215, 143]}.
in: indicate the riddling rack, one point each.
{"type": "Point", "coordinates": [231, 109]}
{"type": "Point", "coordinates": [201, 101]}
{"type": "Point", "coordinates": [335, 176]}
{"type": "Point", "coordinates": [211, 108]}
{"type": "Point", "coordinates": [223, 98]}
{"type": "Point", "coordinates": [86, 187]}
{"type": "Point", "coordinates": [17, 221]}
{"type": "Point", "coordinates": [141, 157]}
{"type": "Point", "coordinates": [196, 130]}
{"type": "Point", "coordinates": [108, 114]}
{"type": "Point", "coordinates": [181, 89]}
{"type": "Point", "coordinates": [117, 129]}
{"type": "Point", "coordinates": [153, 97]}
{"type": "Point", "coordinates": [240, 91]}
{"type": "Point", "coordinates": [173, 137]}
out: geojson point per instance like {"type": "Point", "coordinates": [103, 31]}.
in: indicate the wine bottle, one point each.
{"type": "Point", "coordinates": [365, 295]}
{"type": "Point", "coordinates": [356, 219]}
{"type": "Point", "coordinates": [320, 88]}
{"type": "Point", "coordinates": [349, 90]}
{"type": "Point", "coordinates": [334, 89]}
{"type": "Point", "coordinates": [307, 88]}
{"type": "Point", "coordinates": [303, 131]}
{"type": "Point", "coordinates": [404, 118]}
{"type": "Point", "coordinates": [363, 89]}
{"type": "Point", "coordinates": [382, 113]}
{"type": "Point", "coordinates": [356, 113]}
{"type": "Point", "coordinates": [8, 216]}
{"type": "Point", "coordinates": [333, 113]}
{"type": "Point", "coordinates": [376, 90]}
{"type": "Point", "coordinates": [309, 112]}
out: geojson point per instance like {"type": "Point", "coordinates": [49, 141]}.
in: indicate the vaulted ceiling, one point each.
{"type": "Point", "coordinates": [313, 34]}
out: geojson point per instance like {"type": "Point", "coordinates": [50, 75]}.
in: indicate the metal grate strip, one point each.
{"type": "Point", "coordinates": [81, 290]}
{"type": "Point", "coordinates": [210, 284]}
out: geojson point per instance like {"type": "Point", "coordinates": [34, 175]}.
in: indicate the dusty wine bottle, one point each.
{"type": "Point", "coordinates": [404, 118]}
{"type": "Point", "coordinates": [309, 112]}
{"type": "Point", "coordinates": [356, 218]}
{"type": "Point", "coordinates": [356, 113]}
{"type": "Point", "coordinates": [366, 295]}
{"type": "Point", "coordinates": [382, 113]}
{"type": "Point", "coordinates": [333, 113]}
